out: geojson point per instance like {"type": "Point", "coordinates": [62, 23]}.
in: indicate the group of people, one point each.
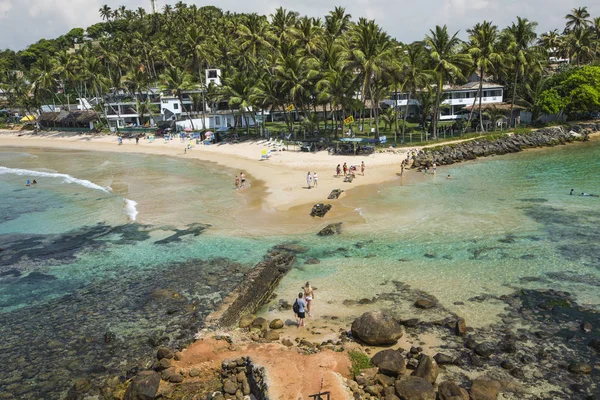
{"type": "Point", "coordinates": [312, 180]}
{"type": "Point", "coordinates": [303, 304]}
{"type": "Point", "coordinates": [29, 182]}
{"type": "Point", "coordinates": [584, 194]}
{"type": "Point", "coordinates": [240, 181]}
{"type": "Point", "coordinates": [351, 170]}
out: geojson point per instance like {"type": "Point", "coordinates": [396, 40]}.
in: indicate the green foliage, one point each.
{"type": "Point", "coordinates": [581, 91]}
{"type": "Point", "coordinates": [359, 361]}
{"type": "Point", "coordinates": [550, 102]}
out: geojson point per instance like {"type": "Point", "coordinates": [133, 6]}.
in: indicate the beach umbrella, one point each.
{"type": "Point", "coordinates": [209, 133]}
{"type": "Point", "coordinates": [28, 118]}
{"type": "Point", "coordinates": [187, 130]}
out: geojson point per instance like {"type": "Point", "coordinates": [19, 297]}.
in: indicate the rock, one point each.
{"type": "Point", "coordinates": [451, 391]}
{"type": "Point", "coordinates": [176, 378]}
{"type": "Point", "coordinates": [385, 380]}
{"type": "Point", "coordinates": [586, 327]}
{"type": "Point", "coordinates": [246, 320]}
{"type": "Point", "coordinates": [178, 356]}
{"type": "Point", "coordinates": [414, 388]}
{"type": "Point", "coordinates": [482, 389]}
{"type": "Point", "coordinates": [272, 336]}
{"type": "Point", "coordinates": [579, 368]}
{"type": "Point", "coordinates": [376, 328]}
{"type": "Point", "coordinates": [595, 344]}
{"type": "Point", "coordinates": [331, 229]}
{"type": "Point", "coordinates": [319, 210]}
{"type": "Point", "coordinates": [335, 193]}
{"type": "Point", "coordinates": [461, 327]}
{"type": "Point", "coordinates": [374, 390]}
{"type": "Point", "coordinates": [484, 349]}
{"type": "Point", "coordinates": [390, 362]}
{"type": "Point", "coordinates": [229, 387]}
{"type": "Point", "coordinates": [276, 324]}
{"type": "Point", "coordinates": [349, 178]}
{"type": "Point", "coordinates": [427, 369]}
{"type": "Point", "coordinates": [246, 388]}
{"type": "Point", "coordinates": [164, 352]}
{"type": "Point", "coordinates": [143, 386]}
{"type": "Point", "coordinates": [312, 261]}
{"type": "Point", "coordinates": [168, 373]}
{"type": "Point", "coordinates": [164, 363]}
{"type": "Point", "coordinates": [194, 372]}
{"type": "Point", "coordinates": [412, 363]}
{"type": "Point", "coordinates": [292, 248]}
{"type": "Point", "coordinates": [259, 324]}
{"type": "Point", "coordinates": [352, 385]}
{"type": "Point", "coordinates": [425, 303]}
{"type": "Point", "coordinates": [287, 342]}
{"type": "Point", "coordinates": [443, 359]}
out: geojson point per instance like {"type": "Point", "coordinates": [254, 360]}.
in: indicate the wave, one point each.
{"type": "Point", "coordinates": [66, 178]}
{"type": "Point", "coordinates": [130, 209]}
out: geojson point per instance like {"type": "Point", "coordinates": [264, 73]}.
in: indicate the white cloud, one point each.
{"type": "Point", "coordinates": [406, 21]}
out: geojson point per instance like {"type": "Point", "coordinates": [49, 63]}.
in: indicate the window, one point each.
{"type": "Point", "coordinates": [175, 106]}
{"type": "Point", "coordinates": [217, 120]}
{"type": "Point", "coordinates": [212, 73]}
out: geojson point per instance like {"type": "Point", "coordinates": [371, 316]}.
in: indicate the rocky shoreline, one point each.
{"type": "Point", "coordinates": [509, 143]}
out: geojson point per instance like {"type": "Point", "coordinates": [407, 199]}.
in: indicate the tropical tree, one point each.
{"type": "Point", "coordinates": [447, 61]}
{"type": "Point", "coordinates": [484, 50]}
{"type": "Point", "coordinates": [178, 81]}
{"type": "Point", "coordinates": [520, 36]}
{"type": "Point", "coordinates": [415, 75]}
{"type": "Point", "coordinates": [578, 19]}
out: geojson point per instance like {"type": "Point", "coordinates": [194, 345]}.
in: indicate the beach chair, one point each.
{"type": "Point", "coordinates": [265, 154]}
{"type": "Point", "coordinates": [268, 142]}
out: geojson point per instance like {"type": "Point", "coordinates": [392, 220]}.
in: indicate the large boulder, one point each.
{"type": "Point", "coordinates": [390, 362]}
{"type": "Point", "coordinates": [259, 324]}
{"type": "Point", "coordinates": [331, 229]}
{"type": "Point", "coordinates": [451, 391]}
{"type": "Point", "coordinates": [376, 328]}
{"type": "Point", "coordinates": [414, 388]}
{"type": "Point", "coordinates": [276, 324]}
{"type": "Point", "coordinates": [143, 386]}
{"type": "Point", "coordinates": [319, 210]}
{"type": "Point", "coordinates": [427, 369]}
{"type": "Point", "coordinates": [482, 389]}
{"type": "Point", "coordinates": [335, 193]}
{"type": "Point", "coordinates": [246, 320]}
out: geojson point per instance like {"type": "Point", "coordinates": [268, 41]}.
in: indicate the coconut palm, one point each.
{"type": "Point", "coordinates": [447, 61]}
{"type": "Point", "coordinates": [416, 76]}
{"type": "Point", "coordinates": [483, 48]}
{"type": "Point", "coordinates": [578, 19]}
{"type": "Point", "coordinates": [579, 43]}
{"type": "Point", "coordinates": [520, 36]}
{"type": "Point", "coordinates": [178, 81]}
{"type": "Point", "coordinates": [371, 53]}
{"type": "Point", "coordinates": [106, 13]}
{"type": "Point", "coordinates": [552, 42]}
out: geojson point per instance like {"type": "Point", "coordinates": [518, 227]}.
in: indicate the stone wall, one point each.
{"type": "Point", "coordinates": [510, 143]}
{"type": "Point", "coordinates": [242, 378]}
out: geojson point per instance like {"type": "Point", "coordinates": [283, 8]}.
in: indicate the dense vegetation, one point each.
{"type": "Point", "coordinates": [333, 63]}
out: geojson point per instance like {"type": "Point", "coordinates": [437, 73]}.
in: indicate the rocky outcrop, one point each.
{"type": "Point", "coordinates": [254, 292]}
{"type": "Point", "coordinates": [451, 391]}
{"type": "Point", "coordinates": [414, 388]}
{"type": "Point", "coordinates": [390, 362]}
{"type": "Point", "coordinates": [144, 386]}
{"type": "Point", "coordinates": [320, 209]}
{"type": "Point", "coordinates": [510, 143]}
{"type": "Point", "coordinates": [376, 328]}
{"type": "Point", "coordinates": [485, 390]}
{"type": "Point", "coordinates": [331, 229]}
{"type": "Point", "coordinates": [335, 193]}
{"type": "Point", "coordinates": [427, 369]}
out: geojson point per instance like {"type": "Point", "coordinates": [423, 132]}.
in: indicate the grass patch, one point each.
{"type": "Point", "coordinates": [359, 361]}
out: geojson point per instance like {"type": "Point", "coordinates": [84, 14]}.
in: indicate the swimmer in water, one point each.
{"type": "Point", "coordinates": [589, 195]}
{"type": "Point", "coordinates": [571, 193]}
{"type": "Point", "coordinates": [28, 183]}
{"type": "Point", "coordinates": [34, 182]}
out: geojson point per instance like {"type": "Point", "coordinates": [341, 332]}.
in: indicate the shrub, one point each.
{"type": "Point", "coordinates": [359, 361]}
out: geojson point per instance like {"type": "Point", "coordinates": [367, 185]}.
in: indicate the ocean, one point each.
{"type": "Point", "coordinates": [109, 255]}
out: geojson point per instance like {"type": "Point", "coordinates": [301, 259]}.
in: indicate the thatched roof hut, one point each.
{"type": "Point", "coordinates": [65, 119]}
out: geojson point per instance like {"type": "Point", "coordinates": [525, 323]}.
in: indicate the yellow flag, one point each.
{"type": "Point", "coordinates": [290, 108]}
{"type": "Point", "coordinates": [349, 120]}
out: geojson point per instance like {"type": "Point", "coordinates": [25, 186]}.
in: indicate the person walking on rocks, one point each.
{"type": "Point", "coordinates": [308, 180]}
{"type": "Point", "coordinates": [309, 296]}
{"type": "Point", "coordinates": [300, 306]}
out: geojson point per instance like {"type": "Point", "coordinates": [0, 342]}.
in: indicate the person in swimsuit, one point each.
{"type": "Point", "coordinates": [345, 169]}
{"type": "Point", "coordinates": [242, 180]}
{"type": "Point", "coordinates": [308, 179]}
{"type": "Point", "coordinates": [309, 296]}
{"type": "Point", "coordinates": [28, 183]}
{"type": "Point", "coordinates": [571, 193]}
{"type": "Point", "coordinates": [315, 179]}
{"type": "Point", "coordinates": [237, 181]}
{"type": "Point", "coordinates": [362, 168]}
{"type": "Point", "coordinates": [338, 170]}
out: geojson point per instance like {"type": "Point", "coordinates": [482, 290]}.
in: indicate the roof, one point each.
{"type": "Point", "coordinates": [81, 117]}
{"type": "Point", "coordinates": [494, 106]}
{"type": "Point", "coordinates": [472, 86]}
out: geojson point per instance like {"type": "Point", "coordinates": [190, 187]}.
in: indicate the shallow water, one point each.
{"type": "Point", "coordinates": [107, 285]}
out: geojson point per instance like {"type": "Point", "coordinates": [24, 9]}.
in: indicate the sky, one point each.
{"type": "Point", "coordinates": [24, 23]}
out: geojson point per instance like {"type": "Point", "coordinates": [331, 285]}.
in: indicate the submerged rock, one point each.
{"type": "Point", "coordinates": [292, 248]}
{"type": "Point", "coordinates": [144, 386]}
{"type": "Point", "coordinates": [377, 329]}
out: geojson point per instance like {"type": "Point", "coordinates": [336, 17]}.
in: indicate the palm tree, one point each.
{"type": "Point", "coordinates": [483, 48]}
{"type": "Point", "coordinates": [416, 77]}
{"type": "Point", "coordinates": [106, 13]}
{"type": "Point", "coordinates": [577, 19]}
{"type": "Point", "coordinates": [552, 42]}
{"type": "Point", "coordinates": [371, 51]}
{"type": "Point", "coordinates": [531, 93]}
{"type": "Point", "coordinates": [282, 22]}
{"type": "Point", "coordinates": [337, 22]}
{"type": "Point", "coordinates": [520, 36]}
{"type": "Point", "coordinates": [44, 77]}
{"type": "Point", "coordinates": [446, 61]}
{"type": "Point", "coordinates": [178, 81]}
{"type": "Point", "coordinates": [579, 45]}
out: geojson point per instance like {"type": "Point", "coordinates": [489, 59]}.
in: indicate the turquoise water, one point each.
{"type": "Point", "coordinates": [141, 248]}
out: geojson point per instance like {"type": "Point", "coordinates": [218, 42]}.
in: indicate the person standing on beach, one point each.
{"type": "Point", "coordinates": [137, 140]}
{"type": "Point", "coordinates": [434, 168]}
{"type": "Point", "coordinates": [345, 169]}
{"type": "Point", "coordinates": [338, 170]}
{"type": "Point", "coordinates": [242, 180]}
{"type": "Point", "coordinates": [308, 180]}
{"type": "Point", "coordinates": [301, 309]}
{"type": "Point", "coordinates": [309, 296]}
{"type": "Point", "coordinates": [402, 169]}
{"type": "Point", "coordinates": [315, 179]}
{"type": "Point", "coordinates": [362, 168]}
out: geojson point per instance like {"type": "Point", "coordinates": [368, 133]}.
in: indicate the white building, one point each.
{"type": "Point", "coordinates": [456, 98]}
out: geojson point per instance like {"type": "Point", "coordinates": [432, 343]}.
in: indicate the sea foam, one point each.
{"type": "Point", "coordinates": [130, 209]}
{"type": "Point", "coordinates": [66, 178]}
